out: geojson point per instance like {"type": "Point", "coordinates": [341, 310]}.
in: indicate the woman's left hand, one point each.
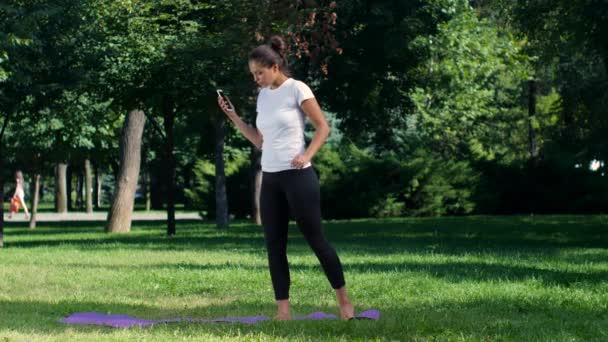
{"type": "Point", "coordinates": [300, 161]}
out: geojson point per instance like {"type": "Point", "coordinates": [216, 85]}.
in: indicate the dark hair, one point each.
{"type": "Point", "coordinates": [270, 54]}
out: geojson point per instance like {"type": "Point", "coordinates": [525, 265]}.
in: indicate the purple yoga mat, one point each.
{"type": "Point", "coordinates": [123, 321]}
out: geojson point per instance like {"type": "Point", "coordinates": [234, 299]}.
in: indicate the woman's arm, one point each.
{"type": "Point", "coordinates": [322, 130]}
{"type": "Point", "coordinates": [251, 133]}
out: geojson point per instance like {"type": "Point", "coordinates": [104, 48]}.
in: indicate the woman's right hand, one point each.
{"type": "Point", "coordinates": [225, 106]}
{"type": "Point", "coordinates": [251, 133]}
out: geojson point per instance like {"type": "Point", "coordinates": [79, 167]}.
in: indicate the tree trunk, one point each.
{"type": "Point", "coordinates": [146, 181]}
{"type": "Point", "coordinates": [97, 190]}
{"type": "Point", "coordinates": [221, 199]}
{"type": "Point", "coordinates": [147, 192]}
{"type": "Point", "coordinates": [35, 199]}
{"type": "Point", "coordinates": [119, 216]}
{"type": "Point", "coordinates": [2, 192]}
{"type": "Point", "coordinates": [256, 168]}
{"type": "Point", "coordinates": [531, 114]}
{"type": "Point", "coordinates": [79, 190]}
{"type": "Point", "coordinates": [187, 177]}
{"type": "Point", "coordinates": [68, 182]}
{"type": "Point", "coordinates": [41, 193]}
{"type": "Point", "coordinates": [4, 124]}
{"type": "Point", "coordinates": [88, 186]}
{"type": "Point", "coordinates": [114, 165]}
{"type": "Point", "coordinates": [169, 119]}
{"type": "Point", "coordinates": [61, 203]}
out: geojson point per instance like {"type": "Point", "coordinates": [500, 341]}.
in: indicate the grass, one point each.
{"type": "Point", "coordinates": [467, 278]}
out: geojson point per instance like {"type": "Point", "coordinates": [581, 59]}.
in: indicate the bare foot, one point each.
{"type": "Point", "coordinates": [347, 311]}
{"type": "Point", "coordinates": [283, 317]}
{"type": "Point", "coordinates": [283, 310]}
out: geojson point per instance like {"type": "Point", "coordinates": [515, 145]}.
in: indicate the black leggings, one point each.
{"type": "Point", "coordinates": [295, 191]}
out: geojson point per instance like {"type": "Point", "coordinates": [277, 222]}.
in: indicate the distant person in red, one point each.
{"type": "Point", "coordinates": [18, 197]}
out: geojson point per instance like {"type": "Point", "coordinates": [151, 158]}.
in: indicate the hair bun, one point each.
{"type": "Point", "coordinates": [278, 45]}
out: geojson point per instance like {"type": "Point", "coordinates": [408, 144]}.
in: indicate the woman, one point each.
{"type": "Point", "coordinates": [18, 197]}
{"type": "Point", "coordinates": [289, 183]}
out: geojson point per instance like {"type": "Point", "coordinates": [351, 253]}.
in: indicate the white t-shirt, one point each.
{"type": "Point", "coordinates": [281, 122]}
{"type": "Point", "coordinates": [20, 193]}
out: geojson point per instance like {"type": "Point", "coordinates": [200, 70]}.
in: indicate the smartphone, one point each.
{"type": "Point", "coordinates": [220, 92]}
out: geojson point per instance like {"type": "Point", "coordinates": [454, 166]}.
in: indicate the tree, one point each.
{"type": "Point", "coordinates": [468, 94]}
{"type": "Point", "coordinates": [568, 45]}
{"type": "Point", "coordinates": [119, 216]}
{"type": "Point", "coordinates": [33, 34]}
{"type": "Point", "coordinates": [374, 39]}
{"type": "Point", "coordinates": [306, 27]}
{"type": "Point", "coordinates": [128, 48]}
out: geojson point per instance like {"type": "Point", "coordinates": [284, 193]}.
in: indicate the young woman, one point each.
{"type": "Point", "coordinates": [289, 183]}
{"type": "Point", "coordinates": [18, 197]}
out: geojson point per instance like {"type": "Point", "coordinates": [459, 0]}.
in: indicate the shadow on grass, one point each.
{"type": "Point", "coordinates": [525, 319]}
{"type": "Point", "coordinates": [455, 272]}
{"type": "Point", "coordinates": [452, 235]}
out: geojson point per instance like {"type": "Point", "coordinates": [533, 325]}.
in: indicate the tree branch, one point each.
{"type": "Point", "coordinates": [155, 125]}
{"type": "Point", "coordinates": [4, 124]}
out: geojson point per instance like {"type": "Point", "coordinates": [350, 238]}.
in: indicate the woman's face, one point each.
{"type": "Point", "coordinates": [262, 75]}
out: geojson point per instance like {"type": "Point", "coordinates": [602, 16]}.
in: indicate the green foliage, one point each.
{"type": "Point", "coordinates": [200, 195]}
{"type": "Point", "coordinates": [389, 207]}
{"type": "Point", "coordinates": [11, 27]}
{"type": "Point", "coordinates": [3, 59]}
{"type": "Point", "coordinates": [467, 101]}
{"type": "Point", "coordinates": [561, 182]}
{"type": "Point", "coordinates": [435, 90]}
{"type": "Point", "coordinates": [51, 117]}
{"type": "Point", "coordinates": [440, 186]}
{"type": "Point", "coordinates": [366, 80]}
{"type": "Point", "coordinates": [199, 192]}
{"type": "Point", "coordinates": [354, 183]}
{"type": "Point", "coordinates": [568, 40]}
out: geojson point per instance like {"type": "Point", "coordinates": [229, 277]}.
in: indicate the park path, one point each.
{"type": "Point", "coordinates": [99, 216]}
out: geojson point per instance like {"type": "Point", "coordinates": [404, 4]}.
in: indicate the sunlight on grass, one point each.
{"type": "Point", "coordinates": [470, 278]}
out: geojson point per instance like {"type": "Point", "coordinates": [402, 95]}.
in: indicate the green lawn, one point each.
{"type": "Point", "coordinates": [469, 278]}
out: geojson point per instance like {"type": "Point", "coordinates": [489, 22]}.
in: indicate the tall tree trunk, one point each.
{"type": "Point", "coordinates": [4, 124]}
{"type": "Point", "coordinates": [97, 190]}
{"type": "Point", "coordinates": [61, 188]}
{"type": "Point", "coordinates": [256, 170]}
{"type": "Point", "coordinates": [221, 199]}
{"type": "Point", "coordinates": [2, 189]}
{"type": "Point", "coordinates": [187, 177]}
{"type": "Point", "coordinates": [146, 180]}
{"type": "Point", "coordinates": [68, 182]}
{"type": "Point", "coordinates": [147, 192]}
{"type": "Point", "coordinates": [88, 186]}
{"type": "Point", "coordinates": [114, 165]}
{"type": "Point", "coordinates": [35, 199]}
{"type": "Point", "coordinates": [119, 216]}
{"type": "Point", "coordinates": [531, 117]}
{"type": "Point", "coordinates": [169, 120]}
{"type": "Point", "coordinates": [79, 190]}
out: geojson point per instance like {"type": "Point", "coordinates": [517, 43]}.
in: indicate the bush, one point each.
{"type": "Point", "coordinates": [354, 183]}
{"type": "Point", "coordinates": [551, 185]}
